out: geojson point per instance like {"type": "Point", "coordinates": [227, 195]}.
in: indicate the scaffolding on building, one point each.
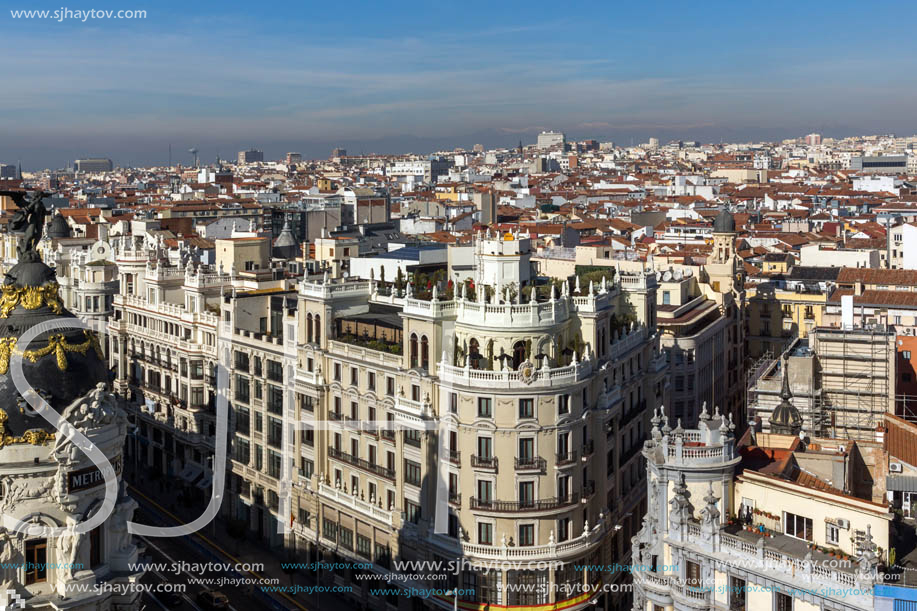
{"type": "Point", "coordinates": [764, 393]}
{"type": "Point", "coordinates": [856, 367]}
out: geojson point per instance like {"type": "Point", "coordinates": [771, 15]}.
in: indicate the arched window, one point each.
{"type": "Point", "coordinates": [518, 354]}
{"type": "Point", "coordinates": [474, 355]}
{"type": "Point", "coordinates": [318, 329]}
{"type": "Point", "coordinates": [309, 328]}
{"type": "Point", "coordinates": [413, 350]}
{"type": "Point", "coordinates": [425, 353]}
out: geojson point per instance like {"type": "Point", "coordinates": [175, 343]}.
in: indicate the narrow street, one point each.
{"type": "Point", "coordinates": [214, 545]}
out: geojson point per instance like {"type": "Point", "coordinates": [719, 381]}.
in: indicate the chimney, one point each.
{"type": "Point", "coordinates": [847, 311]}
{"type": "Point", "coordinates": [880, 434]}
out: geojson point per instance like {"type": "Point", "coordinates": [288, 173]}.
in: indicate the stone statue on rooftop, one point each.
{"type": "Point", "coordinates": [29, 218]}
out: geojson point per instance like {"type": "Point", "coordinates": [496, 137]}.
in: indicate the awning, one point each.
{"type": "Point", "coordinates": [901, 483]}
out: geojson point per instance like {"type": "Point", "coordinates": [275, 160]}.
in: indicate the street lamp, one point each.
{"type": "Point", "coordinates": [454, 599]}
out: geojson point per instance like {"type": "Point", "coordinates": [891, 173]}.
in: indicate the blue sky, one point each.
{"type": "Point", "coordinates": [404, 76]}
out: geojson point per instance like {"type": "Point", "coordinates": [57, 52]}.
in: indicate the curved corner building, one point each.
{"type": "Point", "coordinates": [487, 438]}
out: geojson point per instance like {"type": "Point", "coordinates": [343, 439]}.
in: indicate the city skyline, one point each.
{"type": "Point", "coordinates": [315, 79]}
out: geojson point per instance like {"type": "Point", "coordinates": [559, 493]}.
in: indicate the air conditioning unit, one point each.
{"type": "Point", "coordinates": [894, 467]}
{"type": "Point", "coordinates": [842, 523]}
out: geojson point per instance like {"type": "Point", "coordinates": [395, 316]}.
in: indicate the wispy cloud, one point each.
{"type": "Point", "coordinates": [372, 72]}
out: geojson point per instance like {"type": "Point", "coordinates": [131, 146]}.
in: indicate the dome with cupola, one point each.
{"type": "Point", "coordinates": [61, 361]}
{"type": "Point", "coordinates": [724, 223]}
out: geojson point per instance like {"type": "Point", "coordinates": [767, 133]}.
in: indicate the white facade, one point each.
{"type": "Point", "coordinates": [547, 140]}
{"type": "Point", "coordinates": [504, 261]}
{"type": "Point", "coordinates": [877, 183]}
{"type": "Point", "coordinates": [815, 255]}
{"type": "Point", "coordinates": [908, 245]}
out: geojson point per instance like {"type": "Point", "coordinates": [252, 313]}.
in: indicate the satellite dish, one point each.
{"type": "Point", "coordinates": [658, 276]}
{"type": "Point", "coordinates": [666, 276]}
{"type": "Point", "coordinates": [689, 272]}
{"type": "Point", "coordinates": [678, 275]}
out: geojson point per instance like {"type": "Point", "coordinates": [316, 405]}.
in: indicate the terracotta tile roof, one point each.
{"type": "Point", "coordinates": [906, 299]}
{"type": "Point", "coordinates": [804, 478]}
{"type": "Point", "coordinates": [891, 277]}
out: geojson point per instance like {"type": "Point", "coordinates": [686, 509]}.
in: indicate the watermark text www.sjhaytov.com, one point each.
{"type": "Point", "coordinates": [66, 14]}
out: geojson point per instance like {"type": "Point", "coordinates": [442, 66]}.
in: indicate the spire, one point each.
{"type": "Point", "coordinates": [704, 415]}
{"type": "Point", "coordinates": [785, 419]}
{"type": "Point", "coordinates": [785, 393]}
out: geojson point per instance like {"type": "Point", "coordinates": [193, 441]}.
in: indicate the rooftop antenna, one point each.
{"type": "Point", "coordinates": [170, 155]}
{"type": "Point", "coordinates": [193, 151]}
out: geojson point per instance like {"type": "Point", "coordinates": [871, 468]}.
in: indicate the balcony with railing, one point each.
{"type": "Point", "coordinates": [573, 547]}
{"type": "Point", "coordinates": [779, 557]}
{"type": "Point", "coordinates": [526, 505]}
{"type": "Point", "coordinates": [430, 308]}
{"type": "Point", "coordinates": [412, 441]}
{"type": "Point", "coordinates": [531, 463]}
{"type": "Point", "coordinates": [385, 353]}
{"type": "Point", "coordinates": [546, 377]}
{"type": "Point", "coordinates": [500, 313]}
{"type": "Point", "coordinates": [698, 454]}
{"type": "Point", "coordinates": [349, 500]}
{"type": "Point", "coordinates": [361, 463]}
{"type": "Point", "coordinates": [454, 456]}
{"type": "Point", "coordinates": [410, 411]}
{"type": "Point", "coordinates": [566, 458]}
{"type": "Point", "coordinates": [627, 341]}
{"type": "Point", "coordinates": [336, 288]}
{"type": "Point", "coordinates": [484, 462]}
{"type": "Point", "coordinates": [262, 341]}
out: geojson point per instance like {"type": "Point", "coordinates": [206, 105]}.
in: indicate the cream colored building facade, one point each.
{"type": "Point", "coordinates": [502, 429]}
